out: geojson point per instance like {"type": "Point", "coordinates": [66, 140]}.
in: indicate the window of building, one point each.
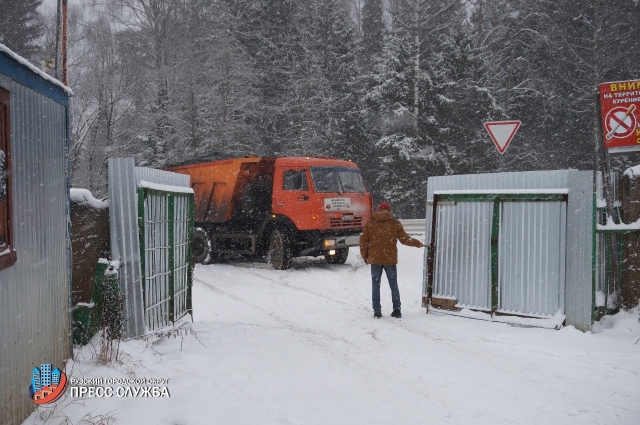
{"type": "Point", "coordinates": [295, 180]}
{"type": "Point", "coordinates": [7, 253]}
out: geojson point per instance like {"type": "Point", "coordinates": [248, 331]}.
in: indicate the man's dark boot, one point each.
{"type": "Point", "coordinates": [396, 314]}
{"type": "Point", "coordinates": [377, 314]}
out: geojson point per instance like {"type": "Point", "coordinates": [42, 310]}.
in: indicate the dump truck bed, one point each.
{"type": "Point", "coordinates": [218, 185]}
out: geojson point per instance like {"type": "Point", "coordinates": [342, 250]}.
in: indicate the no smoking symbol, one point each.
{"type": "Point", "coordinates": [621, 122]}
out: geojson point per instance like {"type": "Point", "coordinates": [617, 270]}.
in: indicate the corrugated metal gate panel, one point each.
{"type": "Point", "coordinates": [532, 257]}
{"type": "Point", "coordinates": [463, 253]}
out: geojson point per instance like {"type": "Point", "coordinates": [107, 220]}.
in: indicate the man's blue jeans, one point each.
{"type": "Point", "coordinates": [392, 277]}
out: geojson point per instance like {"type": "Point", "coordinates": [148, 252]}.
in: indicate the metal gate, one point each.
{"type": "Point", "coordinates": [463, 253]}
{"type": "Point", "coordinates": [166, 227]}
{"type": "Point", "coordinates": [532, 258]}
{"type": "Point", "coordinates": [499, 252]}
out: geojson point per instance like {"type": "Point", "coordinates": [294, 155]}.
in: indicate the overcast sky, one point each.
{"type": "Point", "coordinates": [52, 3]}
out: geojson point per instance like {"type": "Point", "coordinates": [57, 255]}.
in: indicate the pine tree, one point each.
{"type": "Point", "coordinates": [373, 30]}
{"type": "Point", "coordinates": [21, 27]}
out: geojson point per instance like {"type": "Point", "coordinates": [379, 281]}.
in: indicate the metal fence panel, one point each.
{"type": "Point", "coordinates": [531, 258]}
{"type": "Point", "coordinates": [183, 234]}
{"type": "Point", "coordinates": [579, 289]}
{"type": "Point", "coordinates": [169, 178]}
{"type": "Point", "coordinates": [35, 291]}
{"type": "Point", "coordinates": [125, 242]}
{"type": "Point", "coordinates": [463, 254]}
{"type": "Point", "coordinates": [156, 259]}
{"type": "Point", "coordinates": [143, 234]}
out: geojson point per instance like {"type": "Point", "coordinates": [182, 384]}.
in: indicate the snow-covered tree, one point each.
{"type": "Point", "coordinates": [21, 26]}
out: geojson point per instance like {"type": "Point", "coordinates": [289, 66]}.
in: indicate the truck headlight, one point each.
{"type": "Point", "coordinates": [332, 252]}
{"type": "Point", "coordinates": [329, 242]}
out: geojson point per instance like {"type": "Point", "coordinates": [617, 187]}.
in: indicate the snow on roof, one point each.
{"type": "Point", "coordinates": [22, 61]}
{"type": "Point", "coordinates": [165, 187]}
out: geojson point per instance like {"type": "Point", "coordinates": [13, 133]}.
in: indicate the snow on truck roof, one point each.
{"type": "Point", "coordinates": [294, 161]}
{"type": "Point", "coordinates": [5, 51]}
{"type": "Point", "coordinates": [288, 161]}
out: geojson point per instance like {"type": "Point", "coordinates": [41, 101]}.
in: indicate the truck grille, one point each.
{"type": "Point", "coordinates": [338, 222]}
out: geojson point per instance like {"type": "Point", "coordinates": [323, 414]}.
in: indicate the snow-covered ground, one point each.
{"type": "Point", "coordinates": [301, 347]}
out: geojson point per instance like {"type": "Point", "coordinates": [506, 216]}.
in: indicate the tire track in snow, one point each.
{"type": "Point", "coordinates": [345, 358]}
{"type": "Point", "coordinates": [287, 323]}
{"type": "Point", "coordinates": [484, 357]}
{"type": "Point", "coordinates": [308, 291]}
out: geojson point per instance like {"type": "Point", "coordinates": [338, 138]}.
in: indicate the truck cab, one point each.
{"type": "Point", "coordinates": [325, 200]}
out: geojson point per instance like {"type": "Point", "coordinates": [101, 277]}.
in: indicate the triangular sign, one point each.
{"type": "Point", "coordinates": [502, 132]}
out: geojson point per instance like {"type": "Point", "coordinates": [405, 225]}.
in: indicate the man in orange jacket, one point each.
{"type": "Point", "coordinates": [378, 248]}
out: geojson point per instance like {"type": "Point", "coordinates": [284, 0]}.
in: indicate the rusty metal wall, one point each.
{"type": "Point", "coordinates": [35, 291]}
{"type": "Point", "coordinates": [578, 262]}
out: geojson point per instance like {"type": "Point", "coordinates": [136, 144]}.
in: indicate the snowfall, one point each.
{"type": "Point", "coordinates": [302, 347]}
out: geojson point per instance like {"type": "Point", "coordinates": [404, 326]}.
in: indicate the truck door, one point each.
{"type": "Point", "coordinates": [291, 198]}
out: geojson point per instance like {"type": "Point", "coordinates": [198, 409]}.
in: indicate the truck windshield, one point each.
{"type": "Point", "coordinates": [336, 179]}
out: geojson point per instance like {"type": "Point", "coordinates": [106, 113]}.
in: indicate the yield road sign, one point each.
{"type": "Point", "coordinates": [502, 133]}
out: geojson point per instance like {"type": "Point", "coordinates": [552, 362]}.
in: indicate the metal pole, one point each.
{"type": "Point", "coordinates": [57, 58]}
{"type": "Point", "coordinates": [64, 42]}
{"type": "Point", "coordinates": [604, 160]}
{"type": "Point", "coordinates": [431, 252]}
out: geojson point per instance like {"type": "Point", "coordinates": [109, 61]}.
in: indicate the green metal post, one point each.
{"type": "Point", "coordinates": [593, 265]}
{"type": "Point", "coordinates": [621, 256]}
{"type": "Point", "coordinates": [141, 233]}
{"type": "Point", "coordinates": [172, 247]}
{"type": "Point", "coordinates": [190, 254]}
{"type": "Point", "coordinates": [495, 234]}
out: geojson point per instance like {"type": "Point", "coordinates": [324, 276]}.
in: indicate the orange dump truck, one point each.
{"type": "Point", "coordinates": [277, 207]}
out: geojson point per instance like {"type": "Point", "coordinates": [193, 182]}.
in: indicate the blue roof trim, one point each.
{"type": "Point", "coordinates": [24, 76]}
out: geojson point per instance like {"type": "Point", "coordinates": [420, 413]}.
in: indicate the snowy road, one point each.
{"type": "Point", "coordinates": [301, 347]}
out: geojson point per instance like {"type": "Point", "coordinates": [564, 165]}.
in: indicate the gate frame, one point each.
{"type": "Point", "coordinates": [497, 197]}
{"type": "Point", "coordinates": [171, 255]}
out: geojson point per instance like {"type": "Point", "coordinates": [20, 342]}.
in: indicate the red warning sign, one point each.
{"type": "Point", "coordinates": [619, 102]}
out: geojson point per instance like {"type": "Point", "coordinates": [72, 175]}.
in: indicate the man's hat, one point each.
{"type": "Point", "coordinates": [384, 206]}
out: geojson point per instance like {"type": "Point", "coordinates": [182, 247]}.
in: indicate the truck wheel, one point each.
{"type": "Point", "coordinates": [340, 257]}
{"type": "Point", "coordinates": [279, 254]}
{"type": "Point", "coordinates": [201, 246]}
